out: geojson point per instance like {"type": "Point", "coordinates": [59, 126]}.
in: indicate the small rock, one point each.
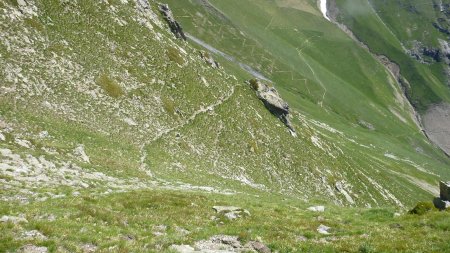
{"type": "Point", "coordinates": [159, 230]}
{"type": "Point", "coordinates": [231, 215]}
{"type": "Point", "coordinates": [317, 208]}
{"type": "Point", "coordinates": [397, 214]}
{"type": "Point", "coordinates": [23, 143]}
{"type": "Point", "coordinates": [33, 249]}
{"type": "Point", "coordinates": [320, 218]}
{"type": "Point", "coordinates": [231, 212]}
{"type": "Point", "coordinates": [182, 231]}
{"type": "Point", "coordinates": [21, 3]}
{"type": "Point", "coordinates": [301, 238]}
{"type": "Point", "coordinates": [43, 135]}
{"type": "Point", "coordinates": [33, 235]}
{"type": "Point", "coordinates": [13, 219]}
{"type": "Point", "coordinates": [396, 226]}
{"type": "Point", "coordinates": [79, 151]}
{"type": "Point", "coordinates": [2, 137]}
{"type": "Point", "coordinates": [88, 248]}
{"type": "Point", "coordinates": [260, 247]}
{"type": "Point", "coordinates": [322, 229]}
{"type": "Point", "coordinates": [182, 248]}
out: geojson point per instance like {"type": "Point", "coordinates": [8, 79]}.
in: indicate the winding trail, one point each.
{"type": "Point", "coordinates": [220, 101]}
{"type": "Point", "coordinates": [230, 58]}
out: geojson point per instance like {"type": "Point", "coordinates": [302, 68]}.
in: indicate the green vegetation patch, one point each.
{"type": "Point", "coordinates": [110, 86]}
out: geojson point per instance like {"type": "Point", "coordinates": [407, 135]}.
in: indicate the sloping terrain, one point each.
{"type": "Point", "coordinates": [415, 37]}
{"type": "Point", "coordinates": [100, 103]}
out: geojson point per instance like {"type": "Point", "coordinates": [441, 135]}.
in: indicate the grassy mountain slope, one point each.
{"type": "Point", "coordinates": [99, 98]}
{"type": "Point", "coordinates": [385, 32]}
{"type": "Point", "coordinates": [303, 55]}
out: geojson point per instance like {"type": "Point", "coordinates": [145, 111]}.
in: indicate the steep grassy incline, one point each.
{"type": "Point", "coordinates": [100, 97]}
{"type": "Point", "coordinates": [322, 73]}
{"type": "Point", "coordinates": [117, 137]}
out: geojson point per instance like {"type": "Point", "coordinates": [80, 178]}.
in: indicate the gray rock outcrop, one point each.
{"type": "Point", "coordinates": [231, 212]}
{"type": "Point", "coordinates": [273, 102]}
{"type": "Point", "coordinates": [175, 27]}
{"type": "Point", "coordinates": [443, 202]}
{"type": "Point", "coordinates": [222, 244]}
{"type": "Point", "coordinates": [444, 190]}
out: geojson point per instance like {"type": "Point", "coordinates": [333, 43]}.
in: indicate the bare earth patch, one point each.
{"type": "Point", "coordinates": [437, 125]}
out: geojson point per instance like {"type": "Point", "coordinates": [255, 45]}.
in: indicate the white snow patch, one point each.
{"type": "Point", "coordinates": [323, 9]}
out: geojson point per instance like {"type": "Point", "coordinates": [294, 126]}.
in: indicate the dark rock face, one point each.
{"type": "Point", "coordinates": [443, 202]}
{"type": "Point", "coordinates": [445, 190]}
{"type": "Point", "coordinates": [175, 27]}
{"type": "Point", "coordinates": [273, 102]}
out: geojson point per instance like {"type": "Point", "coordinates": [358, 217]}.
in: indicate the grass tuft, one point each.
{"type": "Point", "coordinates": [111, 87]}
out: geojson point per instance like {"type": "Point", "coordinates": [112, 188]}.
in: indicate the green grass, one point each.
{"type": "Point", "coordinates": [237, 146]}
{"type": "Point", "coordinates": [108, 220]}
{"type": "Point", "coordinates": [110, 86]}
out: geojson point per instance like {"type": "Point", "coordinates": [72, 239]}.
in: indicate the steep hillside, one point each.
{"type": "Point", "coordinates": [102, 108]}
{"type": "Point", "coordinates": [414, 35]}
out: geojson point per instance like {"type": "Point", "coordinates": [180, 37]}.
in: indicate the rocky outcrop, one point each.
{"type": "Point", "coordinates": [273, 102]}
{"type": "Point", "coordinates": [436, 121]}
{"type": "Point", "coordinates": [222, 244]}
{"type": "Point", "coordinates": [231, 212]}
{"type": "Point", "coordinates": [175, 27]}
{"type": "Point", "coordinates": [443, 201]}
{"type": "Point", "coordinates": [209, 60]}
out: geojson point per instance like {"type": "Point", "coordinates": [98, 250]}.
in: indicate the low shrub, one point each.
{"type": "Point", "coordinates": [111, 87]}
{"type": "Point", "coordinates": [174, 55]}
{"type": "Point", "coordinates": [422, 208]}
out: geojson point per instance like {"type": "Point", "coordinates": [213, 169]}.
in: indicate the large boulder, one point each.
{"type": "Point", "coordinates": [445, 190]}
{"type": "Point", "coordinates": [175, 27]}
{"type": "Point", "coordinates": [273, 101]}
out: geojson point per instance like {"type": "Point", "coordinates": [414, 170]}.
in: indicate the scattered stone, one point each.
{"type": "Point", "coordinates": [317, 208]}
{"type": "Point", "coordinates": [14, 219]}
{"type": "Point", "coordinates": [43, 135]}
{"type": "Point", "coordinates": [173, 24]}
{"type": "Point", "coordinates": [396, 226]}
{"type": "Point", "coordinates": [322, 229]}
{"type": "Point", "coordinates": [159, 230]}
{"type": "Point", "coordinates": [33, 235]}
{"type": "Point", "coordinates": [33, 249]}
{"type": "Point", "coordinates": [366, 125]}
{"type": "Point", "coordinates": [397, 214]}
{"type": "Point", "coordinates": [182, 248]}
{"type": "Point", "coordinates": [2, 137]}
{"type": "Point", "coordinates": [231, 212]}
{"type": "Point", "coordinates": [182, 231]}
{"type": "Point", "coordinates": [21, 2]}
{"type": "Point", "coordinates": [301, 238]}
{"type": "Point", "coordinates": [23, 143]}
{"type": "Point", "coordinates": [273, 102]}
{"type": "Point", "coordinates": [260, 247]}
{"type": "Point", "coordinates": [79, 152]}
{"type": "Point", "coordinates": [88, 248]}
